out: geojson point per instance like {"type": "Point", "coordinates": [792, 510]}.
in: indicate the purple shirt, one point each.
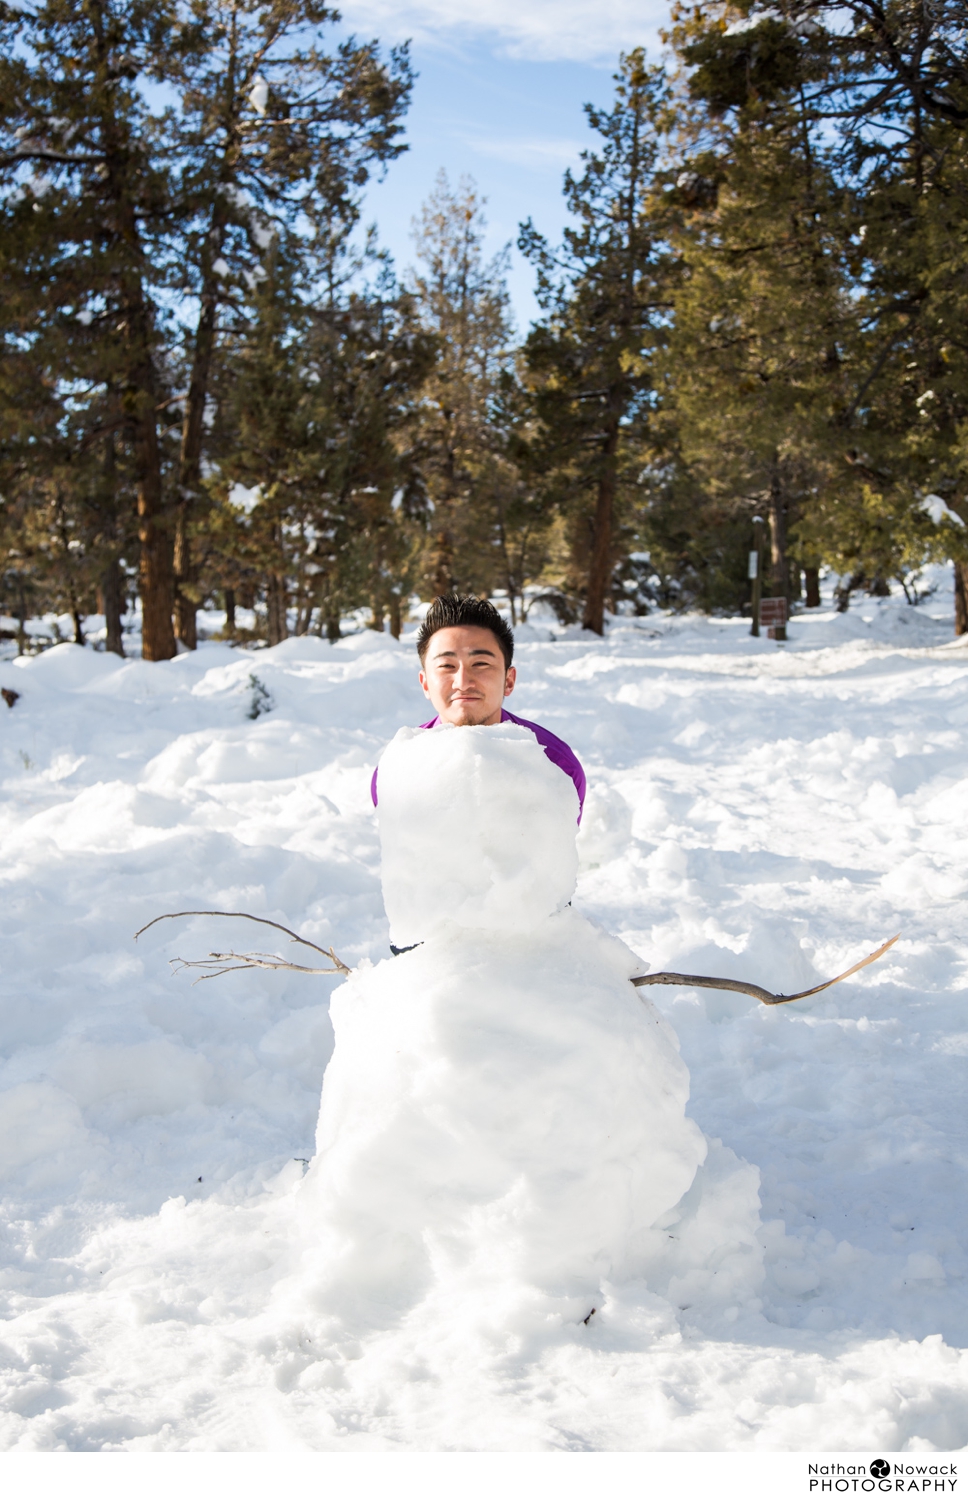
{"type": "Point", "coordinates": [557, 751]}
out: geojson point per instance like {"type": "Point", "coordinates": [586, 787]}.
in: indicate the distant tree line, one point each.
{"type": "Point", "coordinates": [215, 389]}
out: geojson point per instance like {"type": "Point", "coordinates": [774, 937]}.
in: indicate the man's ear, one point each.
{"type": "Point", "coordinates": [510, 679]}
{"type": "Point", "coordinates": [423, 684]}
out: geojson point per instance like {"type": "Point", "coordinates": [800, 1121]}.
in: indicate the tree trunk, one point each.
{"type": "Point", "coordinates": [68, 566]}
{"type": "Point", "coordinates": [190, 462]}
{"type": "Point", "coordinates": [443, 570]}
{"type": "Point", "coordinates": [812, 577]}
{"type": "Point", "coordinates": [779, 570]}
{"type": "Point", "coordinates": [278, 628]}
{"type": "Point", "coordinates": [75, 611]}
{"type": "Point", "coordinates": [961, 598]}
{"type": "Point", "coordinates": [21, 622]}
{"type": "Point", "coordinates": [396, 616]}
{"type": "Point", "coordinates": [154, 565]}
{"type": "Point", "coordinates": [112, 606]}
{"type": "Point", "coordinates": [376, 623]}
{"type": "Point", "coordinates": [139, 396]}
{"type": "Point", "coordinates": [139, 399]}
{"type": "Point", "coordinates": [229, 611]}
{"type": "Point", "coordinates": [333, 632]}
{"type": "Point", "coordinates": [844, 590]}
{"type": "Point", "coordinates": [778, 537]}
{"type": "Point", "coordinates": [304, 610]}
{"type": "Point", "coordinates": [186, 624]}
{"type": "Point", "coordinates": [600, 565]}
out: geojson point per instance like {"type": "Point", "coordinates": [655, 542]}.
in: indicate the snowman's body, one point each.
{"type": "Point", "coordinates": [501, 1105]}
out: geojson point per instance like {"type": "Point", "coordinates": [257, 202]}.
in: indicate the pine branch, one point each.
{"type": "Point", "coordinates": [43, 153]}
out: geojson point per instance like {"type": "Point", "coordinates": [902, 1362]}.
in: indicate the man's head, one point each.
{"type": "Point", "coordinates": [465, 652]}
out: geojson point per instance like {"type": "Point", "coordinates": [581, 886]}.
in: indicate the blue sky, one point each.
{"type": "Point", "coordinates": [499, 96]}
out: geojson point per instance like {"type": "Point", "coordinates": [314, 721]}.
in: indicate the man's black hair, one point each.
{"type": "Point", "coordinates": [464, 609]}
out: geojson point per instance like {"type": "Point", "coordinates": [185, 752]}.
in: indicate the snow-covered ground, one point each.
{"type": "Point", "coordinates": [759, 811]}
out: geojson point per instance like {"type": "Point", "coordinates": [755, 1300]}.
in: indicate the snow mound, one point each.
{"type": "Point", "coordinates": [498, 1104]}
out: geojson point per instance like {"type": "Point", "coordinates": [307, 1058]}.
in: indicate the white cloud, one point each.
{"type": "Point", "coordinates": [538, 154]}
{"type": "Point", "coordinates": [540, 30]}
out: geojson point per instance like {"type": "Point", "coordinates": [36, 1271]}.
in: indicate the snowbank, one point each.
{"type": "Point", "coordinates": [754, 810]}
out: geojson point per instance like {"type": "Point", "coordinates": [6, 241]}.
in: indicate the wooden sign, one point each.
{"type": "Point", "coordinates": [773, 614]}
{"type": "Point", "coordinates": [773, 611]}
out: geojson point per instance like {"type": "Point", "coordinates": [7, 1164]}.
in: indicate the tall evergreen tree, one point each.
{"type": "Point", "coordinates": [88, 220]}
{"type": "Point", "coordinates": [273, 132]}
{"type": "Point", "coordinates": [114, 212]}
{"type": "Point", "coordinates": [764, 328]}
{"type": "Point", "coordinates": [893, 86]}
{"type": "Point", "coordinates": [461, 301]}
{"type": "Point", "coordinates": [606, 296]}
{"type": "Point", "coordinates": [313, 424]}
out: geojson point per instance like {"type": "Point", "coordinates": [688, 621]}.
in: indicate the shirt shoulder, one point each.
{"type": "Point", "coordinates": [558, 751]}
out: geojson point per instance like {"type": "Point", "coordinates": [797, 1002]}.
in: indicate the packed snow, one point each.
{"type": "Point", "coordinates": [503, 1119]}
{"type": "Point", "coordinates": [182, 1271]}
{"type": "Point", "coordinates": [477, 829]}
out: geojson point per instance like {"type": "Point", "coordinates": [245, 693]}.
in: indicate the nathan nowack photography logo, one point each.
{"type": "Point", "coordinates": [882, 1475]}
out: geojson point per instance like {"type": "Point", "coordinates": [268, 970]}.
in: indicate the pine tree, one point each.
{"type": "Point", "coordinates": [117, 215]}
{"type": "Point", "coordinates": [314, 422]}
{"type": "Point", "coordinates": [273, 131]}
{"type": "Point", "coordinates": [895, 87]}
{"type": "Point", "coordinates": [461, 301]}
{"type": "Point", "coordinates": [605, 296]}
{"type": "Point", "coordinates": [88, 222]}
{"type": "Point", "coordinates": [764, 328]}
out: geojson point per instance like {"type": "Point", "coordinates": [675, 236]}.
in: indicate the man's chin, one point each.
{"type": "Point", "coordinates": [468, 715]}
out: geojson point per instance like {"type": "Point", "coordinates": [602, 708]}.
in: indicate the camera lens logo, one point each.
{"type": "Point", "coordinates": [880, 1468]}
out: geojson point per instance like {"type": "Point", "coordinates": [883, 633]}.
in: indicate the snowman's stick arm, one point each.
{"type": "Point", "coordinates": [704, 981]}
{"type": "Point", "coordinates": [253, 959]}
{"type": "Point", "coordinates": [233, 963]}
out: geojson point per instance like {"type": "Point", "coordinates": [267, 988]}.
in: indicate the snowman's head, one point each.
{"type": "Point", "coordinates": [465, 652]}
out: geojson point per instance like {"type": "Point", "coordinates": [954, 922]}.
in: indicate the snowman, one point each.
{"type": "Point", "coordinates": [503, 1116]}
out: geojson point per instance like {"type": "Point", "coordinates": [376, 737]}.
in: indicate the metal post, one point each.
{"type": "Point", "coordinates": [755, 571]}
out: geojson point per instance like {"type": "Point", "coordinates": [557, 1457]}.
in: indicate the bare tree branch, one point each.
{"type": "Point", "coordinates": [704, 981]}
{"type": "Point", "coordinates": [234, 963]}
{"type": "Point", "coordinates": [252, 961]}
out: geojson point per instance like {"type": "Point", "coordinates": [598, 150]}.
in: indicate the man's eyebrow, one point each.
{"type": "Point", "coordinates": [475, 651]}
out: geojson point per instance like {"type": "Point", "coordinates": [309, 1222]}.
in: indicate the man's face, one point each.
{"type": "Point", "coordinates": [464, 676]}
